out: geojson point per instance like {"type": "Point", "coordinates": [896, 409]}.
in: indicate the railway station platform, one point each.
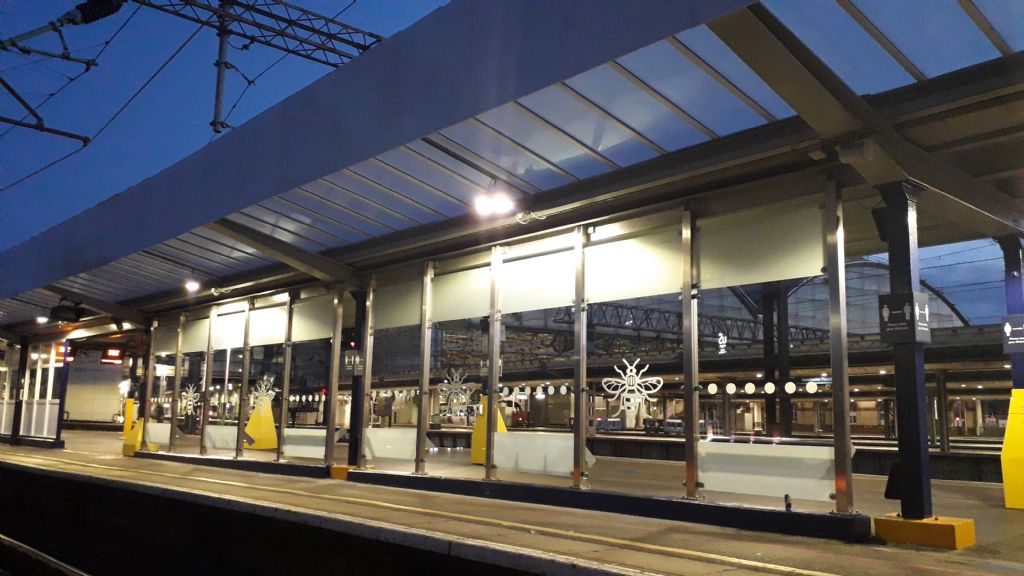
{"type": "Point", "coordinates": [525, 537]}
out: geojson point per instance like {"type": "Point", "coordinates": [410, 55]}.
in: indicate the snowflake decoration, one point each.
{"type": "Point", "coordinates": [264, 391]}
{"type": "Point", "coordinates": [632, 391]}
{"type": "Point", "coordinates": [189, 399]}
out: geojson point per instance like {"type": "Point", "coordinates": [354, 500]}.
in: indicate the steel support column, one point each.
{"type": "Point", "coordinates": [782, 360]}
{"type": "Point", "coordinates": [691, 370]}
{"type": "Point", "coordinates": [150, 375]}
{"type": "Point", "coordinates": [771, 418]}
{"type": "Point", "coordinates": [176, 390]}
{"type": "Point", "coordinates": [581, 419]}
{"type": "Point", "coordinates": [62, 402]}
{"type": "Point", "coordinates": [331, 408]}
{"type": "Point", "coordinates": [1014, 285]}
{"type": "Point", "coordinates": [911, 413]}
{"type": "Point", "coordinates": [426, 332]}
{"type": "Point", "coordinates": [243, 390]}
{"type": "Point", "coordinates": [835, 268]}
{"type": "Point", "coordinates": [360, 376]}
{"type": "Point", "coordinates": [942, 397]}
{"type": "Point", "coordinates": [493, 362]}
{"type": "Point", "coordinates": [286, 379]}
{"type": "Point", "coordinates": [204, 417]}
{"type": "Point", "coordinates": [19, 389]}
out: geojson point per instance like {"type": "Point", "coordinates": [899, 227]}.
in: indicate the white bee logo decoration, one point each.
{"type": "Point", "coordinates": [264, 391]}
{"type": "Point", "coordinates": [454, 393]}
{"type": "Point", "coordinates": [189, 399]}
{"type": "Point", "coordinates": [633, 392]}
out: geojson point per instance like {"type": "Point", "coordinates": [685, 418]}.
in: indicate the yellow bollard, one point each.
{"type": "Point", "coordinates": [1012, 456]}
{"type": "Point", "coordinates": [478, 449]}
{"type": "Point", "coordinates": [129, 417]}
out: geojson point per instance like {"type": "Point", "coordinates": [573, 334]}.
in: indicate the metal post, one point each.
{"type": "Point", "coordinates": [204, 417]}
{"type": "Point", "coordinates": [243, 390]}
{"type": "Point", "coordinates": [19, 391]}
{"type": "Point", "coordinates": [331, 410]}
{"type": "Point", "coordinates": [1013, 279]}
{"type": "Point", "coordinates": [426, 332]}
{"type": "Point", "coordinates": [782, 359]}
{"type": "Point", "coordinates": [176, 391]}
{"type": "Point", "coordinates": [493, 362]}
{"type": "Point", "coordinates": [726, 412]}
{"type": "Point", "coordinates": [361, 382]}
{"type": "Point", "coordinates": [911, 424]}
{"type": "Point", "coordinates": [835, 268]}
{"type": "Point", "coordinates": [65, 374]}
{"type": "Point", "coordinates": [8, 380]}
{"type": "Point", "coordinates": [223, 35]}
{"type": "Point", "coordinates": [286, 379]}
{"type": "Point", "coordinates": [770, 358]}
{"type": "Point", "coordinates": [691, 339]}
{"type": "Point", "coordinates": [581, 420]}
{"type": "Point", "coordinates": [942, 397]}
{"type": "Point", "coordinates": [49, 388]}
{"type": "Point", "coordinates": [150, 374]}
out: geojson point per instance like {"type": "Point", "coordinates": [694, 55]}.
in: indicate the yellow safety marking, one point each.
{"type": "Point", "coordinates": [1012, 456]}
{"type": "Point", "coordinates": [640, 546]}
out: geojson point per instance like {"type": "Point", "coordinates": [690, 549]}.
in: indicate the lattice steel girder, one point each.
{"type": "Point", "coordinates": [278, 25]}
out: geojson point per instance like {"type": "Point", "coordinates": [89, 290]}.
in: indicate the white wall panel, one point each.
{"type": "Point", "coordinates": [397, 305]}
{"type": "Point", "coordinates": [229, 331]}
{"type": "Point", "coordinates": [268, 325]}
{"type": "Point", "coordinates": [764, 244]}
{"type": "Point", "coordinates": [196, 334]}
{"type": "Point", "coordinates": [465, 294]}
{"type": "Point", "coordinates": [313, 319]}
{"type": "Point", "coordinates": [165, 338]}
{"type": "Point", "coordinates": [643, 266]}
{"type": "Point", "coordinates": [537, 283]}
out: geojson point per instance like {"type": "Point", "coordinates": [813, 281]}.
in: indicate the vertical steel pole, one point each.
{"type": "Point", "coordinates": [331, 410]}
{"type": "Point", "coordinates": [49, 388]}
{"type": "Point", "coordinates": [581, 420]}
{"type": "Point", "coordinates": [176, 391]}
{"type": "Point", "coordinates": [426, 331]}
{"type": "Point", "coordinates": [782, 360]}
{"type": "Point", "coordinates": [1013, 280]}
{"type": "Point", "coordinates": [8, 380]}
{"type": "Point", "coordinates": [19, 391]}
{"type": "Point", "coordinates": [286, 378]}
{"type": "Point", "coordinates": [911, 413]}
{"type": "Point", "coordinates": [65, 374]}
{"type": "Point", "coordinates": [942, 397]}
{"type": "Point", "coordinates": [150, 374]}
{"type": "Point", "coordinates": [493, 362]}
{"type": "Point", "coordinates": [223, 34]}
{"type": "Point", "coordinates": [835, 268]}
{"type": "Point", "coordinates": [204, 417]}
{"type": "Point", "coordinates": [690, 348]}
{"type": "Point", "coordinates": [243, 390]}
{"type": "Point", "coordinates": [361, 388]}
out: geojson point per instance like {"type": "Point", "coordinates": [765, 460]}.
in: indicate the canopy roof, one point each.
{"type": "Point", "coordinates": [562, 103]}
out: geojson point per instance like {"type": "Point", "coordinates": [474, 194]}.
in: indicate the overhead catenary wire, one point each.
{"type": "Point", "coordinates": [114, 117]}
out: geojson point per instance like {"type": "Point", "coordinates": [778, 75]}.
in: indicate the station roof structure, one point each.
{"type": "Point", "coordinates": [578, 110]}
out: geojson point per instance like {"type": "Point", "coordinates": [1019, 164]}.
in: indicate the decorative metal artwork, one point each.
{"type": "Point", "coordinates": [632, 391]}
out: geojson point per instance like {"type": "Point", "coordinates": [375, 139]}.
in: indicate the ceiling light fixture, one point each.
{"type": "Point", "coordinates": [42, 319]}
{"type": "Point", "coordinates": [192, 286]}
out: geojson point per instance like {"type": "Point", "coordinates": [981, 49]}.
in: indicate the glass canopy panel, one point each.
{"type": "Point", "coordinates": [545, 142]}
{"type": "Point", "coordinates": [190, 261]}
{"type": "Point", "coordinates": [641, 112]}
{"type": "Point", "coordinates": [505, 155]}
{"type": "Point", "coordinates": [387, 199]}
{"type": "Point", "coordinates": [389, 178]}
{"type": "Point", "coordinates": [292, 226]}
{"type": "Point", "coordinates": [1007, 17]}
{"type": "Point", "coordinates": [712, 50]}
{"type": "Point", "coordinates": [689, 87]}
{"type": "Point", "coordinates": [316, 219]}
{"type": "Point", "coordinates": [441, 178]}
{"type": "Point", "coordinates": [375, 216]}
{"type": "Point", "coordinates": [937, 36]}
{"type": "Point", "coordinates": [842, 44]}
{"type": "Point", "coordinates": [340, 215]}
{"type": "Point", "coordinates": [425, 150]}
{"type": "Point", "coordinates": [256, 224]}
{"type": "Point", "coordinates": [575, 117]}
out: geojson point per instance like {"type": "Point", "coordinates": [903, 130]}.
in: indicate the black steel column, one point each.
{"type": "Point", "coordinates": [942, 398]}
{"type": "Point", "coordinates": [65, 373]}
{"type": "Point", "coordinates": [19, 390]}
{"type": "Point", "coordinates": [900, 229]}
{"type": "Point", "coordinates": [770, 358]}
{"type": "Point", "coordinates": [357, 414]}
{"type": "Point", "coordinates": [1014, 282]}
{"type": "Point", "coordinates": [782, 359]}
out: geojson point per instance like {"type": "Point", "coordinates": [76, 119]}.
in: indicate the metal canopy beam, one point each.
{"type": "Point", "coordinates": [317, 266]}
{"type": "Point", "coordinates": [101, 306]}
{"type": "Point", "coordinates": [837, 113]}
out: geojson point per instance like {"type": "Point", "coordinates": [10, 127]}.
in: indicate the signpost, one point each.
{"type": "Point", "coordinates": [903, 318]}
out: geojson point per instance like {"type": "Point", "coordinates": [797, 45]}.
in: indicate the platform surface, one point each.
{"type": "Point", "coordinates": [631, 543]}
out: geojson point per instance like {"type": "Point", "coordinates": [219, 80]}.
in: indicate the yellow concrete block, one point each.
{"type": "Point", "coordinates": [341, 472]}
{"type": "Point", "coordinates": [937, 532]}
{"type": "Point", "coordinates": [1013, 453]}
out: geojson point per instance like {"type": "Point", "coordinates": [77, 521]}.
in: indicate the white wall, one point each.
{"type": "Point", "coordinates": [92, 389]}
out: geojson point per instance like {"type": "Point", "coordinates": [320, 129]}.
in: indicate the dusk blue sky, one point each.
{"type": "Point", "coordinates": [169, 121]}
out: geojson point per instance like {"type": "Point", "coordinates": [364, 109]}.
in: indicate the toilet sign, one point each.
{"type": "Point", "coordinates": [904, 318]}
{"type": "Point", "coordinates": [1013, 334]}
